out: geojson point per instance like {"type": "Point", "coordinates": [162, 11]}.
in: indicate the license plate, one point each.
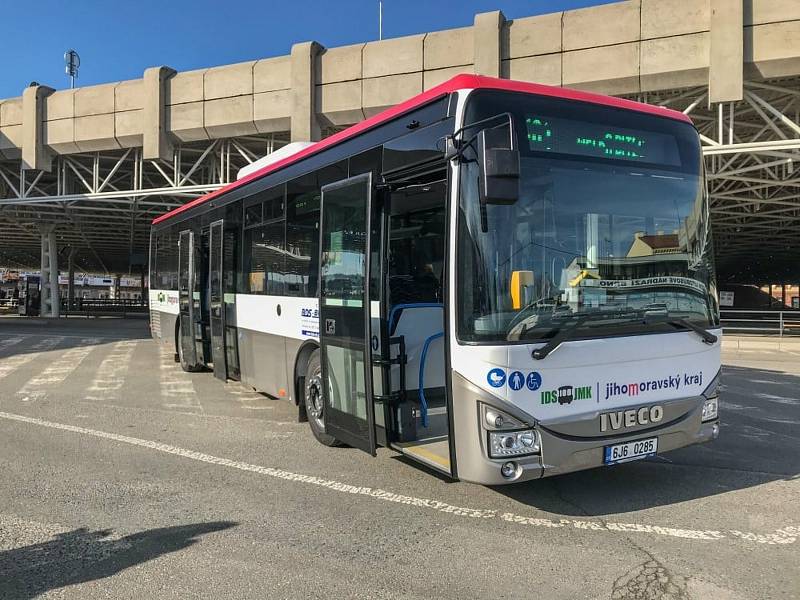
{"type": "Point", "coordinates": [620, 453]}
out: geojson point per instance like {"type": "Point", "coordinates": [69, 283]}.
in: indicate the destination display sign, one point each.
{"type": "Point", "coordinates": [584, 138]}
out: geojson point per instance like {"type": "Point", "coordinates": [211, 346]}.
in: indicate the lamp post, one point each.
{"type": "Point", "coordinates": [71, 63]}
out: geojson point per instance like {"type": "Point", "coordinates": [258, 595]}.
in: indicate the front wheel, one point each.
{"type": "Point", "coordinates": [315, 401]}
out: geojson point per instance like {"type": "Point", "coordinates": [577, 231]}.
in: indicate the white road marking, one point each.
{"type": "Point", "coordinates": [244, 394]}
{"type": "Point", "coordinates": [12, 363]}
{"type": "Point", "coordinates": [778, 399]}
{"type": "Point", "coordinates": [784, 535]}
{"type": "Point", "coordinates": [8, 342]}
{"type": "Point", "coordinates": [105, 338]}
{"type": "Point", "coordinates": [111, 372]}
{"type": "Point", "coordinates": [176, 385]}
{"type": "Point", "coordinates": [37, 387]}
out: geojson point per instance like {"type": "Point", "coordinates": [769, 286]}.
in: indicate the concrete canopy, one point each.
{"type": "Point", "coordinates": [100, 162]}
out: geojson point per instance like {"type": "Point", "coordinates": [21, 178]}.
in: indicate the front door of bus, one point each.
{"type": "Point", "coordinates": [344, 312]}
{"type": "Point", "coordinates": [186, 304]}
{"type": "Point", "coordinates": [216, 306]}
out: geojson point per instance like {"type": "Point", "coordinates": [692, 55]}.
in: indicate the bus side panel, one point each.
{"type": "Point", "coordinates": [262, 357]}
{"type": "Point", "coordinates": [164, 316]}
{"type": "Point", "coordinates": [162, 328]}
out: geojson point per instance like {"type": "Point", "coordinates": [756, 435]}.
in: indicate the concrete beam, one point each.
{"type": "Point", "coordinates": [35, 155]}
{"type": "Point", "coordinates": [305, 126]}
{"type": "Point", "coordinates": [726, 65]}
{"type": "Point", "coordinates": [155, 141]}
{"type": "Point", "coordinates": [487, 44]}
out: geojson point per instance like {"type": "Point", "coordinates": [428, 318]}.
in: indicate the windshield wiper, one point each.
{"type": "Point", "coordinates": [567, 332]}
{"type": "Point", "coordinates": [562, 335]}
{"type": "Point", "coordinates": [708, 337]}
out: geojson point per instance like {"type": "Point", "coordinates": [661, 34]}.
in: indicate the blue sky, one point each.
{"type": "Point", "coordinates": [118, 40]}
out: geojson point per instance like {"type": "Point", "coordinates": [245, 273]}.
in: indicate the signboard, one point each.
{"type": "Point", "coordinates": [667, 280]}
{"type": "Point", "coordinates": [726, 298]}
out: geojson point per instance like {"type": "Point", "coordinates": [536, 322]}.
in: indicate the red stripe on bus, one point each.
{"type": "Point", "coordinates": [459, 82]}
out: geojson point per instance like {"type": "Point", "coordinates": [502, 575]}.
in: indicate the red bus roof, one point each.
{"type": "Point", "coordinates": [459, 82]}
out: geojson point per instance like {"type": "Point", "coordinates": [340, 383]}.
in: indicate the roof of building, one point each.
{"type": "Point", "coordinates": [459, 82]}
{"type": "Point", "coordinates": [662, 241]}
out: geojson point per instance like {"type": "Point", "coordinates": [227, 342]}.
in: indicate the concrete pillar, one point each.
{"type": "Point", "coordinates": [35, 154]}
{"type": "Point", "coordinates": [726, 68]}
{"type": "Point", "coordinates": [71, 280]}
{"type": "Point", "coordinates": [155, 140]}
{"type": "Point", "coordinates": [50, 304]}
{"type": "Point", "coordinates": [488, 31]}
{"type": "Point", "coordinates": [142, 286]}
{"type": "Point", "coordinates": [305, 125]}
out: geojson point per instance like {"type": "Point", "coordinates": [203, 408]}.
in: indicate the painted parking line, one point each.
{"type": "Point", "coordinates": [111, 372]}
{"type": "Point", "coordinates": [37, 387]}
{"type": "Point", "coordinates": [8, 342]}
{"type": "Point", "coordinates": [176, 386]}
{"type": "Point", "coordinates": [784, 535]}
{"type": "Point", "coordinates": [12, 363]}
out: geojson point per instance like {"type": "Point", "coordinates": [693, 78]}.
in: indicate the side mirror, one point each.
{"type": "Point", "coordinates": [499, 167]}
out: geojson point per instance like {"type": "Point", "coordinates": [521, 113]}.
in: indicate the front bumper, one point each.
{"type": "Point", "coordinates": [560, 453]}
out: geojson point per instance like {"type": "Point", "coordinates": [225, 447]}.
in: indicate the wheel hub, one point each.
{"type": "Point", "coordinates": [314, 400]}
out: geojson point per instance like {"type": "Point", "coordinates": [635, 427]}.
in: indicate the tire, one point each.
{"type": "Point", "coordinates": [184, 365]}
{"type": "Point", "coordinates": [313, 401]}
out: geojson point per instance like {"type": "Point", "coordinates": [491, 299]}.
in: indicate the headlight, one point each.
{"type": "Point", "coordinates": [494, 419]}
{"type": "Point", "coordinates": [508, 436]}
{"type": "Point", "coordinates": [710, 409]}
{"type": "Point", "coordinates": [513, 443]}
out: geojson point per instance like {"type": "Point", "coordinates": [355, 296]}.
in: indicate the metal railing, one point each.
{"type": "Point", "coordinates": [104, 306]}
{"type": "Point", "coordinates": [761, 322]}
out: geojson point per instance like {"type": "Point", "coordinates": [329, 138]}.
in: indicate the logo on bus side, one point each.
{"type": "Point", "coordinates": [565, 394]}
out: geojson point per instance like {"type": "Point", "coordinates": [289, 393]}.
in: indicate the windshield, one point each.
{"type": "Point", "coordinates": [609, 235]}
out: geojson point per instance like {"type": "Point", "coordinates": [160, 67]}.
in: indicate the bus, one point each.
{"type": "Point", "coordinates": [500, 280]}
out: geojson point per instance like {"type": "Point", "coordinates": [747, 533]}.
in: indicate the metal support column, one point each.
{"type": "Point", "coordinates": [71, 281]}
{"type": "Point", "coordinates": [50, 298]}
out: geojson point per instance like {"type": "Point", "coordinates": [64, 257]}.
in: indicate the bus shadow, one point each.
{"type": "Point", "coordinates": [19, 336]}
{"type": "Point", "coordinates": [83, 555]}
{"type": "Point", "coordinates": [759, 443]}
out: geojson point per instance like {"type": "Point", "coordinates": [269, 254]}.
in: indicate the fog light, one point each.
{"type": "Point", "coordinates": [714, 431]}
{"type": "Point", "coordinates": [508, 470]}
{"type": "Point", "coordinates": [710, 409]}
{"type": "Point", "coordinates": [513, 443]}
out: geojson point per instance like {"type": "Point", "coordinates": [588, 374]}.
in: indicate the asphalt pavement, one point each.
{"type": "Point", "coordinates": [123, 477]}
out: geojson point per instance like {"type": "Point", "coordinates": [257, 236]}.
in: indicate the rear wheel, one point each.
{"type": "Point", "coordinates": [182, 359]}
{"type": "Point", "coordinates": [315, 401]}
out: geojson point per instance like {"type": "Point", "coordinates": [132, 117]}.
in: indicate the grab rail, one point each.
{"type": "Point", "coordinates": [423, 403]}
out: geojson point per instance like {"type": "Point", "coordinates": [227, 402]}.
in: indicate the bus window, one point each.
{"type": "Point", "coordinates": [417, 244]}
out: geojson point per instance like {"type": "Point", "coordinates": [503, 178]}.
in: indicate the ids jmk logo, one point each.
{"type": "Point", "coordinates": [566, 394]}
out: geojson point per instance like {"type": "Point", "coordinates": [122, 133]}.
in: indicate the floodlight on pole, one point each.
{"type": "Point", "coordinates": [71, 63]}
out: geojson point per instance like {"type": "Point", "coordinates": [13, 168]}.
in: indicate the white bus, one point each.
{"type": "Point", "coordinates": [501, 280]}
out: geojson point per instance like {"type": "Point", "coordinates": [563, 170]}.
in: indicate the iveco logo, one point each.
{"type": "Point", "coordinates": [630, 418]}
